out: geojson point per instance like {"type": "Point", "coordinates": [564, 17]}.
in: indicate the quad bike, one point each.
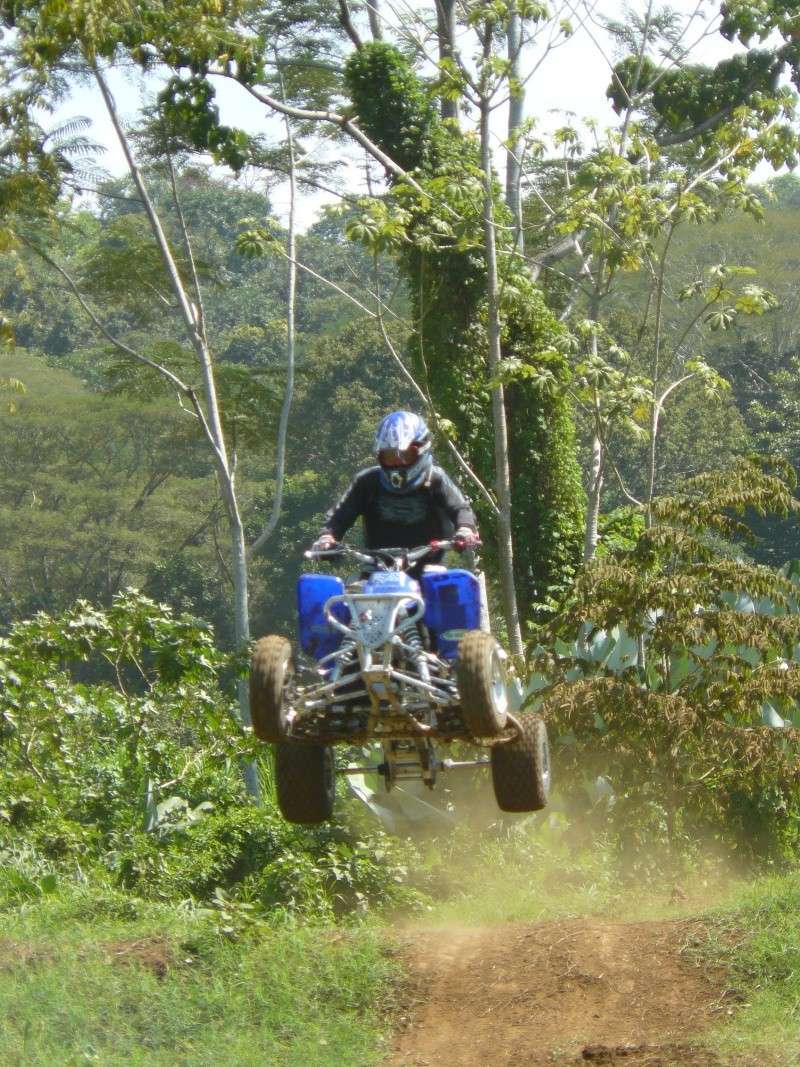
{"type": "Point", "coordinates": [395, 660]}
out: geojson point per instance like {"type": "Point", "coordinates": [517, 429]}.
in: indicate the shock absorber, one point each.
{"type": "Point", "coordinates": [411, 637]}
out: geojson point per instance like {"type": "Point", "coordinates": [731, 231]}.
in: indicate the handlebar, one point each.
{"type": "Point", "coordinates": [379, 556]}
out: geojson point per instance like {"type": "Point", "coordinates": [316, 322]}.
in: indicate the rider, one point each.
{"type": "Point", "coordinates": [405, 500]}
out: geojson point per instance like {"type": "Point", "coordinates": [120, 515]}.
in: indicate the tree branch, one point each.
{"type": "Point", "coordinates": [178, 383]}
{"type": "Point", "coordinates": [187, 244]}
{"type": "Point", "coordinates": [682, 136]}
{"type": "Point", "coordinates": [347, 24]}
{"type": "Point", "coordinates": [345, 124]}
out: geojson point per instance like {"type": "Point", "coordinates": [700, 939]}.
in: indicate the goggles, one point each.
{"type": "Point", "coordinates": [398, 457]}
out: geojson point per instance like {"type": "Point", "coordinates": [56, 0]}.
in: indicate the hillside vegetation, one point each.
{"type": "Point", "coordinates": [598, 319]}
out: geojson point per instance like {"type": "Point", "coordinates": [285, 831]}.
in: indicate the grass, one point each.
{"type": "Point", "coordinates": [90, 974]}
{"type": "Point", "coordinates": [529, 874]}
{"type": "Point", "coordinates": [756, 938]}
{"type": "Point", "coordinates": [84, 981]}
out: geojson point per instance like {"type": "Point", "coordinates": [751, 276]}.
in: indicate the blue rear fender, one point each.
{"type": "Point", "coordinates": [452, 606]}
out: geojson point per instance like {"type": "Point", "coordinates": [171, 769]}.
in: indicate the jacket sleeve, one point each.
{"type": "Point", "coordinates": [345, 512]}
{"type": "Point", "coordinates": [453, 502]}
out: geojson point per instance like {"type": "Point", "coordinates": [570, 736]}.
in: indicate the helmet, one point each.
{"type": "Point", "coordinates": [403, 449]}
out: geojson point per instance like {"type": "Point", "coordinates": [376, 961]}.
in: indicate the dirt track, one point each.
{"type": "Point", "coordinates": [584, 991]}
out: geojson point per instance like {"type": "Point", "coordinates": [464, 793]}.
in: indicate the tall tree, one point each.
{"type": "Point", "coordinates": [47, 41]}
{"type": "Point", "coordinates": [204, 40]}
{"type": "Point", "coordinates": [687, 140]}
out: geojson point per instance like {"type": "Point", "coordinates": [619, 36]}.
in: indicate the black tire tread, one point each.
{"type": "Point", "coordinates": [305, 782]}
{"type": "Point", "coordinates": [474, 678]}
{"type": "Point", "coordinates": [270, 665]}
{"type": "Point", "coordinates": [517, 771]}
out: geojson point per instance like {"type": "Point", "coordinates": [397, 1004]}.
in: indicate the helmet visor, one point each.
{"type": "Point", "coordinates": [398, 457]}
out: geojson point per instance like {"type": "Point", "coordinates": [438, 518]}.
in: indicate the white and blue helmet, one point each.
{"type": "Point", "coordinates": [403, 450]}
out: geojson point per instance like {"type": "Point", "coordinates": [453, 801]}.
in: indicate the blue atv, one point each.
{"type": "Point", "coordinates": [397, 660]}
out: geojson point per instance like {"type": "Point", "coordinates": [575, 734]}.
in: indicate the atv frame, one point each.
{"type": "Point", "coordinates": [385, 684]}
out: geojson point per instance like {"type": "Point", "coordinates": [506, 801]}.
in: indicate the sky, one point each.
{"type": "Point", "coordinates": [571, 80]}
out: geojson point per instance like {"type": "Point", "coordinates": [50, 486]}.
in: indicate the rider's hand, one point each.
{"type": "Point", "coordinates": [465, 539]}
{"type": "Point", "coordinates": [324, 543]}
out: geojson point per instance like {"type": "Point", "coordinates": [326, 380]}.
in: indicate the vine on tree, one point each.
{"type": "Point", "coordinates": [438, 240]}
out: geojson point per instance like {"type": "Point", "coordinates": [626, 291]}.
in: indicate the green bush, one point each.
{"type": "Point", "coordinates": [137, 773]}
{"type": "Point", "coordinates": [255, 856]}
{"type": "Point", "coordinates": [678, 732]}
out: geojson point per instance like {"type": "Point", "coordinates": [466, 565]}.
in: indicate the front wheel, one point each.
{"type": "Point", "coordinates": [521, 768]}
{"type": "Point", "coordinates": [482, 684]}
{"type": "Point", "coordinates": [271, 671]}
{"type": "Point", "coordinates": [305, 780]}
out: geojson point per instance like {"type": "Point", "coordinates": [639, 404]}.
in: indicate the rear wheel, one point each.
{"type": "Point", "coordinates": [271, 671]}
{"type": "Point", "coordinates": [305, 779]}
{"type": "Point", "coordinates": [521, 768]}
{"type": "Point", "coordinates": [482, 681]}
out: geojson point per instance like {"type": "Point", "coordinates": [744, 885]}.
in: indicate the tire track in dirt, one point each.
{"type": "Point", "coordinates": [578, 991]}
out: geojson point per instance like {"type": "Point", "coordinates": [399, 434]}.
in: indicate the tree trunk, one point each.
{"type": "Point", "coordinates": [291, 316]}
{"type": "Point", "coordinates": [516, 104]}
{"type": "Point", "coordinates": [597, 469]}
{"type": "Point", "coordinates": [446, 32]}
{"type": "Point", "coordinates": [502, 468]}
{"type": "Point", "coordinates": [213, 421]}
{"type": "Point", "coordinates": [241, 621]}
{"type": "Point", "coordinates": [374, 17]}
{"type": "Point", "coordinates": [595, 492]}
{"type": "Point", "coordinates": [651, 464]}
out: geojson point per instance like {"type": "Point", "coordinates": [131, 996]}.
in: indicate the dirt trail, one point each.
{"type": "Point", "coordinates": [583, 991]}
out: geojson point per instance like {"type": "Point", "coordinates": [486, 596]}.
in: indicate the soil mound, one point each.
{"type": "Point", "coordinates": [582, 991]}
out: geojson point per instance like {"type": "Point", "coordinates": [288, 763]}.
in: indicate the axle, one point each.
{"type": "Point", "coordinates": [442, 765]}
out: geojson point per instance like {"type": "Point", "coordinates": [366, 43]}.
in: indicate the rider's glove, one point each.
{"type": "Point", "coordinates": [465, 539]}
{"type": "Point", "coordinates": [324, 543]}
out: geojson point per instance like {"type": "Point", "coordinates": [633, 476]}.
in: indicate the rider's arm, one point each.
{"type": "Point", "coordinates": [345, 512]}
{"type": "Point", "coordinates": [453, 502]}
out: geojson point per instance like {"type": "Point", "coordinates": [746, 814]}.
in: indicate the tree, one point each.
{"type": "Point", "coordinates": [202, 42]}
{"type": "Point", "coordinates": [90, 41]}
{"type": "Point", "coordinates": [189, 100]}
{"type": "Point", "coordinates": [464, 343]}
{"type": "Point", "coordinates": [92, 436]}
{"type": "Point", "coordinates": [668, 94]}
{"type": "Point", "coordinates": [96, 493]}
{"type": "Point", "coordinates": [683, 743]}
{"type": "Point", "coordinates": [623, 200]}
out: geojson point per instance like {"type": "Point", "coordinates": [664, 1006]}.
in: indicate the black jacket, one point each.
{"type": "Point", "coordinates": [401, 520]}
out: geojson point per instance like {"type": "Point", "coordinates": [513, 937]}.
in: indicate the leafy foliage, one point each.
{"type": "Point", "coordinates": [678, 731]}
{"type": "Point", "coordinates": [437, 236]}
{"type": "Point", "coordinates": [696, 102]}
{"type": "Point", "coordinates": [118, 749]}
{"type": "Point", "coordinates": [103, 479]}
{"type": "Point", "coordinates": [96, 493]}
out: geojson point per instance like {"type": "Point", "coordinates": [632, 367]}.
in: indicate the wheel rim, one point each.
{"type": "Point", "coordinates": [499, 688]}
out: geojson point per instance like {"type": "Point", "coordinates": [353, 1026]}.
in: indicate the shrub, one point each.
{"type": "Point", "coordinates": [137, 772]}
{"type": "Point", "coordinates": [679, 729]}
